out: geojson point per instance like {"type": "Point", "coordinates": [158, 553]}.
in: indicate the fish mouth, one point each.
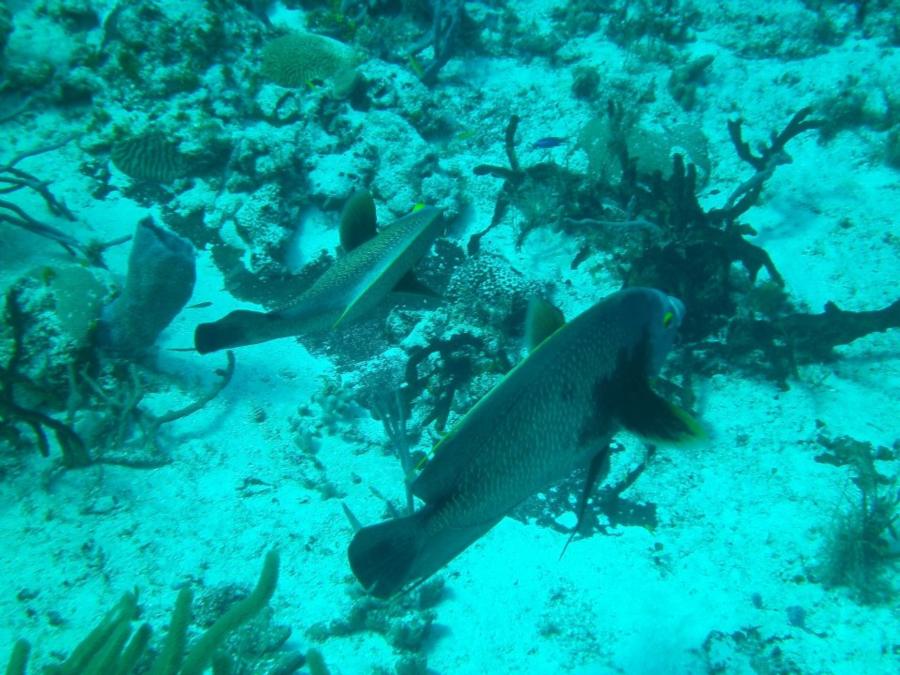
{"type": "Point", "coordinates": [678, 308]}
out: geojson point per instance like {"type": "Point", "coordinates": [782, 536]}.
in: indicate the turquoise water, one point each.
{"type": "Point", "coordinates": [264, 264]}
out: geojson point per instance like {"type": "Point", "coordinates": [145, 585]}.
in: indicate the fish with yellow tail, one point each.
{"type": "Point", "coordinates": [558, 409]}
{"type": "Point", "coordinates": [374, 264]}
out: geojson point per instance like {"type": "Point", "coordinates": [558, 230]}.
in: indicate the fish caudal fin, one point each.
{"type": "Point", "coordinates": [237, 329]}
{"type": "Point", "coordinates": [383, 556]}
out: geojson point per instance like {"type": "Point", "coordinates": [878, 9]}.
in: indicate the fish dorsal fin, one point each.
{"type": "Point", "coordinates": [398, 246]}
{"type": "Point", "coordinates": [410, 284]}
{"type": "Point", "coordinates": [542, 321]}
{"type": "Point", "coordinates": [357, 220]}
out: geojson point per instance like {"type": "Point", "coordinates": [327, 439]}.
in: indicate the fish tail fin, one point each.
{"type": "Point", "coordinates": [383, 556]}
{"type": "Point", "coordinates": [236, 329]}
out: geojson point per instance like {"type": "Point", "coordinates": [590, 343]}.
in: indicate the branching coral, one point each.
{"type": "Point", "coordinates": [441, 368]}
{"type": "Point", "coordinates": [121, 431]}
{"type": "Point", "coordinates": [769, 157]}
{"type": "Point", "coordinates": [607, 509]}
{"type": "Point", "coordinates": [393, 413]}
{"type": "Point", "coordinates": [447, 16]}
{"type": "Point", "coordinates": [858, 553]}
{"type": "Point", "coordinates": [669, 241]}
{"type": "Point", "coordinates": [13, 179]}
{"type": "Point", "coordinates": [539, 190]}
{"type": "Point", "coordinates": [692, 253]}
{"type": "Point", "coordinates": [788, 338]}
{"type": "Point", "coordinates": [114, 647]}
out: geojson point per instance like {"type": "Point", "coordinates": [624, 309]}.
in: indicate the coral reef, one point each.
{"type": "Point", "coordinates": [787, 338]}
{"type": "Point", "coordinates": [538, 190]}
{"type": "Point", "coordinates": [686, 80]}
{"type": "Point", "coordinates": [52, 366]}
{"type": "Point", "coordinates": [447, 17]}
{"type": "Point", "coordinates": [74, 452]}
{"type": "Point", "coordinates": [244, 126]}
{"type": "Point", "coordinates": [746, 649]}
{"type": "Point", "coordinates": [404, 621]}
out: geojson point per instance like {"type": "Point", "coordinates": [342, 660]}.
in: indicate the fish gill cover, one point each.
{"type": "Point", "coordinates": [740, 158]}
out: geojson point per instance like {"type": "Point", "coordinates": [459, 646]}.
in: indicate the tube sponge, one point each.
{"type": "Point", "coordinates": [159, 282]}
{"type": "Point", "coordinates": [107, 650]}
{"type": "Point", "coordinates": [201, 653]}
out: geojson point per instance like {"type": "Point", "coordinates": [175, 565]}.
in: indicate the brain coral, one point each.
{"type": "Point", "coordinates": [150, 156]}
{"type": "Point", "coordinates": [299, 58]}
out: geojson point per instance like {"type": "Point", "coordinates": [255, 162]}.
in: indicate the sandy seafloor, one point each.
{"type": "Point", "coordinates": [745, 513]}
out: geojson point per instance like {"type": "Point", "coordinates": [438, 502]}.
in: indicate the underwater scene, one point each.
{"type": "Point", "coordinates": [434, 336]}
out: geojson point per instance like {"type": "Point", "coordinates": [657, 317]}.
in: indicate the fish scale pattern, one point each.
{"type": "Point", "coordinates": [299, 59]}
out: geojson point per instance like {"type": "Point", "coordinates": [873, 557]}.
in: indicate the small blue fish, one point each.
{"type": "Point", "coordinates": [548, 142]}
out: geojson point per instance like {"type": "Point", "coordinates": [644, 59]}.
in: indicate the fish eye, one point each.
{"type": "Point", "coordinates": [667, 319]}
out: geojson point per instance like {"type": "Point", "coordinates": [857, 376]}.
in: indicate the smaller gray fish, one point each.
{"type": "Point", "coordinates": [351, 287]}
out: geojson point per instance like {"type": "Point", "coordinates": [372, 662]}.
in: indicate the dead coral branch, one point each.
{"type": "Point", "coordinates": [13, 179]}
{"type": "Point", "coordinates": [133, 436]}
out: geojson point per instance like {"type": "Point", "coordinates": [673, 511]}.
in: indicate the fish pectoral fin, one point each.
{"type": "Point", "coordinates": [642, 411]}
{"type": "Point", "coordinates": [597, 471]}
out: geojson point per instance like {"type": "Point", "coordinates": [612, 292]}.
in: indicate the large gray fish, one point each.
{"type": "Point", "coordinates": [374, 265]}
{"type": "Point", "coordinates": [556, 410]}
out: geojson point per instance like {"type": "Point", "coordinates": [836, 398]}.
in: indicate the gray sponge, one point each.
{"type": "Point", "coordinates": [160, 280]}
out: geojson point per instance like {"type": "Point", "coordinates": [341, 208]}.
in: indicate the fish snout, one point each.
{"type": "Point", "coordinates": [677, 308]}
